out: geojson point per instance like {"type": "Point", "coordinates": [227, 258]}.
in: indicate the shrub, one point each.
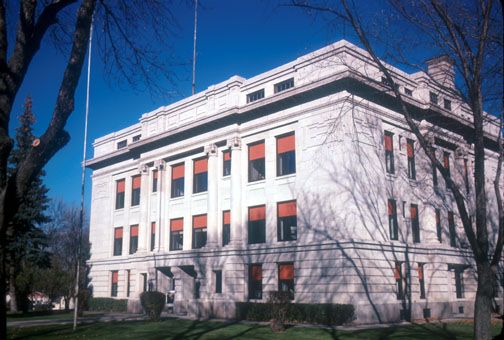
{"type": "Point", "coordinates": [108, 305]}
{"type": "Point", "coordinates": [279, 309]}
{"type": "Point", "coordinates": [153, 304]}
{"type": "Point", "coordinates": [84, 296]}
{"type": "Point", "coordinates": [327, 314]}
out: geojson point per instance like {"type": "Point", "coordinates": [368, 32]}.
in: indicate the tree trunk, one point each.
{"type": "Point", "coordinates": [12, 288]}
{"type": "Point", "coordinates": [483, 303]}
{"type": "Point", "coordinates": [67, 303]}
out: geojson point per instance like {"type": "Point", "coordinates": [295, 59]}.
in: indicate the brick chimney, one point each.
{"type": "Point", "coordinates": [440, 69]}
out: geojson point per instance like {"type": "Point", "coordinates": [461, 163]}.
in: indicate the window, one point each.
{"type": "Point", "coordinates": [433, 98]}
{"type": "Point", "coordinates": [115, 282]}
{"type": "Point", "coordinates": [389, 152]}
{"type": "Point", "coordinates": [118, 238]}
{"type": "Point", "coordinates": [284, 85]}
{"type": "Point", "coordinates": [144, 282]}
{"type": "Point", "coordinates": [153, 236]}
{"type": "Point", "coordinates": [408, 91]}
{"type": "Point", "coordinates": [128, 282]}
{"type": "Point", "coordinates": [392, 215]}
{"type": "Point", "coordinates": [447, 104]}
{"type": "Point", "coordinates": [287, 221]}
{"type": "Point", "coordinates": [122, 144]}
{"type": "Point", "coordinates": [252, 97]}
{"type": "Point", "coordinates": [218, 281]}
{"type": "Point", "coordinates": [255, 281]}
{"type": "Point", "coordinates": [154, 180]}
{"type": "Point", "coordinates": [133, 239]}
{"type": "Point", "coordinates": [434, 176]}
{"type": "Point", "coordinates": [286, 155]}
{"type": "Point", "coordinates": [451, 229]}
{"type": "Point", "coordinates": [226, 163]}
{"type": "Point", "coordinates": [459, 282]}
{"type": "Point", "coordinates": [200, 179]}
{"type": "Point", "coordinates": [199, 231]}
{"type": "Point", "coordinates": [446, 162]}
{"type": "Point", "coordinates": [177, 183]}
{"type": "Point", "coordinates": [466, 175]}
{"type": "Point", "coordinates": [410, 146]}
{"type": "Point", "coordinates": [226, 227]}
{"type": "Point", "coordinates": [257, 224]}
{"type": "Point", "coordinates": [176, 234]}
{"type": "Point", "coordinates": [399, 281]}
{"type": "Point", "coordinates": [256, 162]}
{"type": "Point", "coordinates": [135, 190]}
{"type": "Point", "coordinates": [136, 138]}
{"type": "Point", "coordinates": [286, 278]}
{"type": "Point", "coordinates": [439, 227]}
{"type": "Point", "coordinates": [421, 280]}
{"type": "Point", "coordinates": [415, 223]}
{"type": "Point", "coordinates": [120, 186]}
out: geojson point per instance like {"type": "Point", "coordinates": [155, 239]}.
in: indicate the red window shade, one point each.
{"type": "Point", "coordinates": [413, 212]}
{"type": "Point", "coordinates": [446, 160]}
{"type": "Point", "coordinates": [397, 271]}
{"type": "Point", "coordinates": [410, 150]}
{"type": "Point", "coordinates": [226, 217]}
{"type": "Point", "coordinates": [115, 277]}
{"type": "Point", "coordinates": [153, 227]}
{"type": "Point", "coordinates": [388, 142]}
{"type": "Point", "coordinates": [199, 221]}
{"type": "Point", "coordinates": [227, 155]}
{"type": "Point", "coordinates": [257, 213]}
{"type": "Point", "coordinates": [178, 171]}
{"type": "Point", "coordinates": [286, 144]}
{"type": "Point", "coordinates": [256, 151]}
{"type": "Point", "coordinates": [177, 224]}
{"type": "Point", "coordinates": [256, 272]}
{"type": "Point", "coordinates": [136, 182]}
{"type": "Point", "coordinates": [391, 208]}
{"type": "Point", "coordinates": [134, 230]}
{"type": "Point", "coordinates": [155, 174]}
{"type": "Point", "coordinates": [118, 233]}
{"type": "Point", "coordinates": [286, 209]}
{"type": "Point", "coordinates": [420, 271]}
{"type": "Point", "coordinates": [120, 185]}
{"type": "Point", "coordinates": [286, 271]}
{"type": "Point", "coordinates": [200, 165]}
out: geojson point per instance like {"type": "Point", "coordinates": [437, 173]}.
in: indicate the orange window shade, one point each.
{"type": "Point", "coordinates": [413, 212]}
{"type": "Point", "coordinates": [410, 149]}
{"type": "Point", "coordinates": [153, 228]}
{"type": "Point", "coordinates": [136, 182]}
{"type": "Point", "coordinates": [256, 272]}
{"type": "Point", "coordinates": [446, 161]}
{"type": "Point", "coordinates": [257, 213]}
{"type": "Point", "coordinates": [226, 217]}
{"type": "Point", "coordinates": [256, 151]}
{"type": "Point", "coordinates": [200, 165]}
{"type": "Point", "coordinates": [388, 142]}
{"type": "Point", "coordinates": [397, 272]}
{"type": "Point", "coordinates": [115, 277]}
{"type": "Point", "coordinates": [178, 171]}
{"type": "Point", "coordinates": [420, 272]}
{"type": "Point", "coordinates": [177, 224]}
{"type": "Point", "coordinates": [155, 174]}
{"type": "Point", "coordinates": [391, 208]}
{"type": "Point", "coordinates": [120, 185]}
{"type": "Point", "coordinates": [118, 233]}
{"type": "Point", "coordinates": [227, 155]}
{"type": "Point", "coordinates": [286, 271]}
{"type": "Point", "coordinates": [286, 144]}
{"type": "Point", "coordinates": [286, 209]}
{"type": "Point", "coordinates": [199, 221]}
{"type": "Point", "coordinates": [134, 230]}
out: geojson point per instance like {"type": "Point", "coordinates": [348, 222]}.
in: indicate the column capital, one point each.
{"type": "Point", "coordinates": [461, 152]}
{"type": "Point", "coordinates": [159, 164]}
{"type": "Point", "coordinates": [143, 169]}
{"type": "Point", "coordinates": [211, 150]}
{"type": "Point", "coordinates": [234, 142]}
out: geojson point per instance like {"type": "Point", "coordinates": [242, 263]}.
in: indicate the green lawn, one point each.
{"type": "Point", "coordinates": [186, 329]}
{"type": "Point", "coordinates": [55, 315]}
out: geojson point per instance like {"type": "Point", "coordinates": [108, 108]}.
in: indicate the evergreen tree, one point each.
{"type": "Point", "coordinates": [28, 242]}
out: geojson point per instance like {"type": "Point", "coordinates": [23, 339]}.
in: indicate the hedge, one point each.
{"type": "Point", "coordinates": [153, 304]}
{"type": "Point", "coordinates": [108, 305]}
{"type": "Point", "coordinates": [325, 313]}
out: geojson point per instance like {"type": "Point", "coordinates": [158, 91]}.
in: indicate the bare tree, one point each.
{"type": "Point", "coordinates": [471, 34]}
{"type": "Point", "coordinates": [127, 47]}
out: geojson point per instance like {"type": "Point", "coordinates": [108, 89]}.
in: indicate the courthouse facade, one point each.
{"type": "Point", "coordinates": [305, 179]}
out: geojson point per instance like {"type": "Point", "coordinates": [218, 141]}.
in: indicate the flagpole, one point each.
{"type": "Point", "coordinates": [194, 46]}
{"type": "Point", "coordinates": [83, 180]}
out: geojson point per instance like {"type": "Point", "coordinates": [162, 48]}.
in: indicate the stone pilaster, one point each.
{"type": "Point", "coordinates": [236, 190]}
{"type": "Point", "coordinates": [144, 225]}
{"type": "Point", "coordinates": [213, 197]}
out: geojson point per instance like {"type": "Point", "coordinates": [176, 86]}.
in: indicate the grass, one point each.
{"type": "Point", "coordinates": [51, 315]}
{"type": "Point", "coordinates": [187, 329]}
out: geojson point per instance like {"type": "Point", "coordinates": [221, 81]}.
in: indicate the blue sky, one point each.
{"type": "Point", "coordinates": [243, 37]}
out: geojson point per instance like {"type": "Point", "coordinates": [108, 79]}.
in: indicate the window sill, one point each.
{"type": "Point", "coordinates": [199, 194]}
{"type": "Point", "coordinates": [175, 199]}
{"type": "Point", "coordinates": [390, 176]}
{"type": "Point", "coordinates": [286, 177]}
{"type": "Point", "coordinates": [262, 181]}
{"type": "Point", "coordinates": [119, 210]}
{"type": "Point", "coordinates": [227, 177]}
